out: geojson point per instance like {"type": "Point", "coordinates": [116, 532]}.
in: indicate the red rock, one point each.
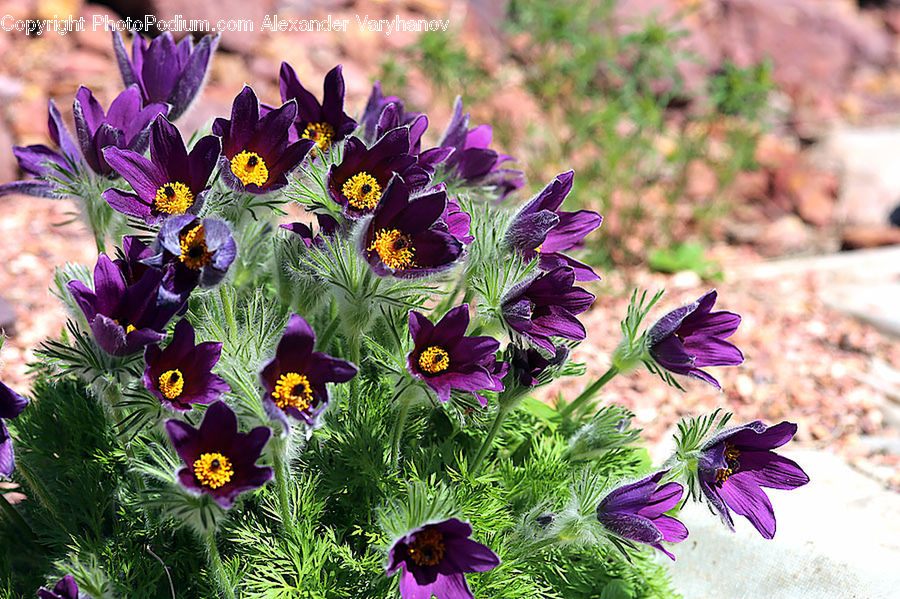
{"type": "Point", "coordinates": [853, 238]}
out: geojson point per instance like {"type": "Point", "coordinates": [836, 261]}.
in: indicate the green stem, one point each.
{"type": "Point", "coordinates": [589, 392]}
{"type": "Point", "coordinates": [325, 339]}
{"type": "Point", "coordinates": [489, 440]}
{"type": "Point", "coordinates": [215, 562]}
{"type": "Point", "coordinates": [355, 343]}
{"type": "Point", "coordinates": [397, 433]}
{"type": "Point", "coordinates": [281, 487]}
{"type": "Point", "coordinates": [14, 516]}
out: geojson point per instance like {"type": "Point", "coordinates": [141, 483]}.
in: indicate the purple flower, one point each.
{"type": "Point", "coordinates": [199, 250]}
{"type": "Point", "coordinates": [181, 374]}
{"type": "Point", "coordinates": [458, 222]}
{"type": "Point", "coordinates": [636, 512]}
{"type": "Point", "coordinates": [324, 123]}
{"type": "Point", "coordinates": [434, 558]}
{"type": "Point", "coordinates": [444, 358]}
{"type": "Point", "coordinates": [295, 380]}
{"type": "Point", "coordinates": [541, 229]}
{"type": "Point", "coordinates": [66, 588]}
{"type": "Point", "coordinates": [328, 226]}
{"type": "Point", "coordinates": [219, 460]}
{"type": "Point", "coordinates": [405, 238]}
{"type": "Point", "coordinates": [691, 337]}
{"type": "Point", "coordinates": [11, 405]}
{"type": "Point", "coordinates": [527, 365]}
{"type": "Point", "coordinates": [546, 306]}
{"type": "Point", "coordinates": [735, 464]}
{"type": "Point", "coordinates": [165, 71]}
{"type": "Point", "coordinates": [256, 151]}
{"type": "Point", "coordinates": [172, 182]}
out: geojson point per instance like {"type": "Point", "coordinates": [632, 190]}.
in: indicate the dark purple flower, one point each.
{"type": "Point", "coordinates": [434, 558]}
{"type": "Point", "coordinates": [328, 226]}
{"type": "Point", "coordinates": [66, 588]}
{"type": "Point", "coordinates": [636, 512]}
{"type": "Point", "coordinates": [735, 464]}
{"type": "Point", "coordinates": [181, 374]}
{"type": "Point", "coordinates": [541, 229]}
{"type": "Point", "coordinates": [200, 250]}
{"type": "Point", "coordinates": [405, 237]}
{"type": "Point", "coordinates": [527, 365]}
{"type": "Point", "coordinates": [444, 358]}
{"type": "Point", "coordinates": [692, 337]}
{"type": "Point", "coordinates": [295, 380]}
{"type": "Point", "coordinates": [171, 182]}
{"type": "Point", "coordinates": [219, 460]}
{"type": "Point", "coordinates": [458, 221]}
{"type": "Point", "coordinates": [165, 71]}
{"type": "Point", "coordinates": [256, 152]}
{"type": "Point", "coordinates": [11, 405]}
{"type": "Point", "coordinates": [546, 306]}
{"type": "Point", "coordinates": [324, 123]}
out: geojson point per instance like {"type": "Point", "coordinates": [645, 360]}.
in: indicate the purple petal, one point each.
{"type": "Point", "coordinates": [741, 493]}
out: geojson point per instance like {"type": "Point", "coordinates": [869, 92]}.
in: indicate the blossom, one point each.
{"type": "Point", "coordinates": [434, 558]}
{"type": "Point", "coordinates": [163, 70]}
{"type": "Point", "coordinates": [405, 238]}
{"type": "Point", "coordinates": [295, 379]}
{"type": "Point", "coordinates": [11, 405]}
{"type": "Point", "coordinates": [171, 182]}
{"type": "Point", "coordinates": [200, 250]}
{"type": "Point", "coordinates": [540, 228]}
{"type": "Point", "coordinates": [445, 358]}
{"type": "Point", "coordinates": [66, 588]}
{"type": "Point", "coordinates": [256, 151]}
{"type": "Point", "coordinates": [181, 374]}
{"type": "Point", "coordinates": [325, 123]}
{"type": "Point", "coordinates": [328, 226]}
{"type": "Point", "coordinates": [735, 464]}
{"type": "Point", "coordinates": [458, 221]}
{"type": "Point", "coordinates": [692, 337]}
{"type": "Point", "coordinates": [546, 306]}
{"type": "Point", "coordinates": [636, 512]}
{"type": "Point", "coordinates": [528, 364]}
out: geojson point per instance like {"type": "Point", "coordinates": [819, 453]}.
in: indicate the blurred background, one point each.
{"type": "Point", "coordinates": [746, 145]}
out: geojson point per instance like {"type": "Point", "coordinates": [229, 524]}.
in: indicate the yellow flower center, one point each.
{"type": "Point", "coordinates": [731, 458]}
{"type": "Point", "coordinates": [321, 133]}
{"type": "Point", "coordinates": [194, 253]}
{"type": "Point", "coordinates": [249, 167]}
{"type": "Point", "coordinates": [362, 191]}
{"type": "Point", "coordinates": [428, 548]}
{"type": "Point", "coordinates": [173, 198]}
{"type": "Point", "coordinates": [434, 360]}
{"type": "Point", "coordinates": [293, 390]}
{"type": "Point", "coordinates": [213, 470]}
{"type": "Point", "coordinates": [171, 383]}
{"type": "Point", "coordinates": [128, 327]}
{"type": "Point", "coordinates": [393, 248]}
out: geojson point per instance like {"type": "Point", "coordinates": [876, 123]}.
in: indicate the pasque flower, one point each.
{"type": "Point", "coordinates": [325, 123]}
{"type": "Point", "coordinates": [11, 405]}
{"type": "Point", "coordinates": [528, 364]}
{"type": "Point", "coordinates": [218, 459]}
{"type": "Point", "coordinates": [636, 512]}
{"type": "Point", "coordinates": [181, 374]}
{"type": "Point", "coordinates": [445, 358]}
{"type": "Point", "coordinates": [735, 464]}
{"type": "Point", "coordinates": [692, 337]}
{"type": "Point", "coordinates": [328, 226]}
{"type": "Point", "coordinates": [433, 560]}
{"type": "Point", "coordinates": [66, 588]}
{"type": "Point", "coordinates": [171, 182]}
{"type": "Point", "coordinates": [295, 380]}
{"type": "Point", "coordinates": [541, 229]}
{"type": "Point", "coordinates": [199, 250]}
{"type": "Point", "coordinates": [458, 221]}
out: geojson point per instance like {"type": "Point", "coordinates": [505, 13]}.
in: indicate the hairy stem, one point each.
{"type": "Point", "coordinates": [281, 487]}
{"type": "Point", "coordinates": [502, 412]}
{"type": "Point", "coordinates": [589, 392]}
{"type": "Point", "coordinates": [399, 424]}
{"type": "Point", "coordinates": [215, 563]}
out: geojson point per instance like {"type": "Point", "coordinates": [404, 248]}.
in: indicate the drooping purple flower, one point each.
{"type": "Point", "coordinates": [546, 306]}
{"type": "Point", "coordinates": [165, 71]}
{"type": "Point", "coordinates": [295, 379]}
{"type": "Point", "coordinates": [181, 374]}
{"type": "Point", "coordinates": [171, 182]}
{"type": "Point", "coordinates": [256, 152]}
{"type": "Point", "coordinates": [219, 460]}
{"type": "Point", "coordinates": [433, 560]}
{"type": "Point", "coordinates": [405, 237]}
{"type": "Point", "coordinates": [541, 229]}
{"type": "Point", "coordinates": [735, 464]}
{"type": "Point", "coordinates": [445, 358]}
{"type": "Point", "coordinates": [200, 251]}
{"type": "Point", "coordinates": [328, 226]}
{"type": "Point", "coordinates": [325, 123]}
{"type": "Point", "coordinates": [692, 337]}
{"type": "Point", "coordinates": [66, 588]}
{"type": "Point", "coordinates": [636, 512]}
{"type": "Point", "coordinates": [528, 364]}
{"type": "Point", "coordinates": [11, 405]}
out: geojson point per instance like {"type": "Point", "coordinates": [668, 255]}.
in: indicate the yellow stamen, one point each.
{"type": "Point", "coordinates": [293, 390]}
{"type": "Point", "coordinates": [171, 383]}
{"type": "Point", "coordinates": [173, 198]}
{"type": "Point", "coordinates": [321, 133]}
{"type": "Point", "coordinates": [249, 167]}
{"type": "Point", "coordinates": [194, 253]}
{"type": "Point", "coordinates": [434, 360]}
{"type": "Point", "coordinates": [722, 475]}
{"type": "Point", "coordinates": [362, 191]}
{"type": "Point", "coordinates": [428, 548]}
{"type": "Point", "coordinates": [213, 470]}
{"type": "Point", "coordinates": [393, 248]}
{"type": "Point", "coordinates": [128, 327]}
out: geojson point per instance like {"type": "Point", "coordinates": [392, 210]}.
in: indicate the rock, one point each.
{"type": "Point", "coordinates": [860, 237]}
{"type": "Point", "coordinates": [787, 235]}
{"type": "Point", "coordinates": [807, 190]}
{"type": "Point", "coordinates": [7, 318]}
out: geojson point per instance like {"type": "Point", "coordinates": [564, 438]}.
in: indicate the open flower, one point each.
{"type": "Point", "coordinates": [11, 405]}
{"type": "Point", "coordinates": [546, 306]}
{"type": "Point", "coordinates": [296, 378]}
{"type": "Point", "coordinates": [163, 70]}
{"type": "Point", "coordinates": [171, 182]}
{"type": "Point", "coordinates": [636, 512]}
{"type": "Point", "coordinates": [66, 588]}
{"type": "Point", "coordinates": [325, 123]}
{"type": "Point", "coordinates": [218, 459]}
{"type": "Point", "coordinates": [405, 238]}
{"type": "Point", "coordinates": [434, 558]}
{"type": "Point", "coordinates": [181, 374]}
{"type": "Point", "coordinates": [692, 337]}
{"type": "Point", "coordinates": [444, 358]}
{"type": "Point", "coordinates": [201, 250]}
{"type": "Point", "coordinates": [541, 229]}
{"type": "Point", "coordinates": [735, 464]}
{"type": "Point", "coordinates": [256, 152]}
